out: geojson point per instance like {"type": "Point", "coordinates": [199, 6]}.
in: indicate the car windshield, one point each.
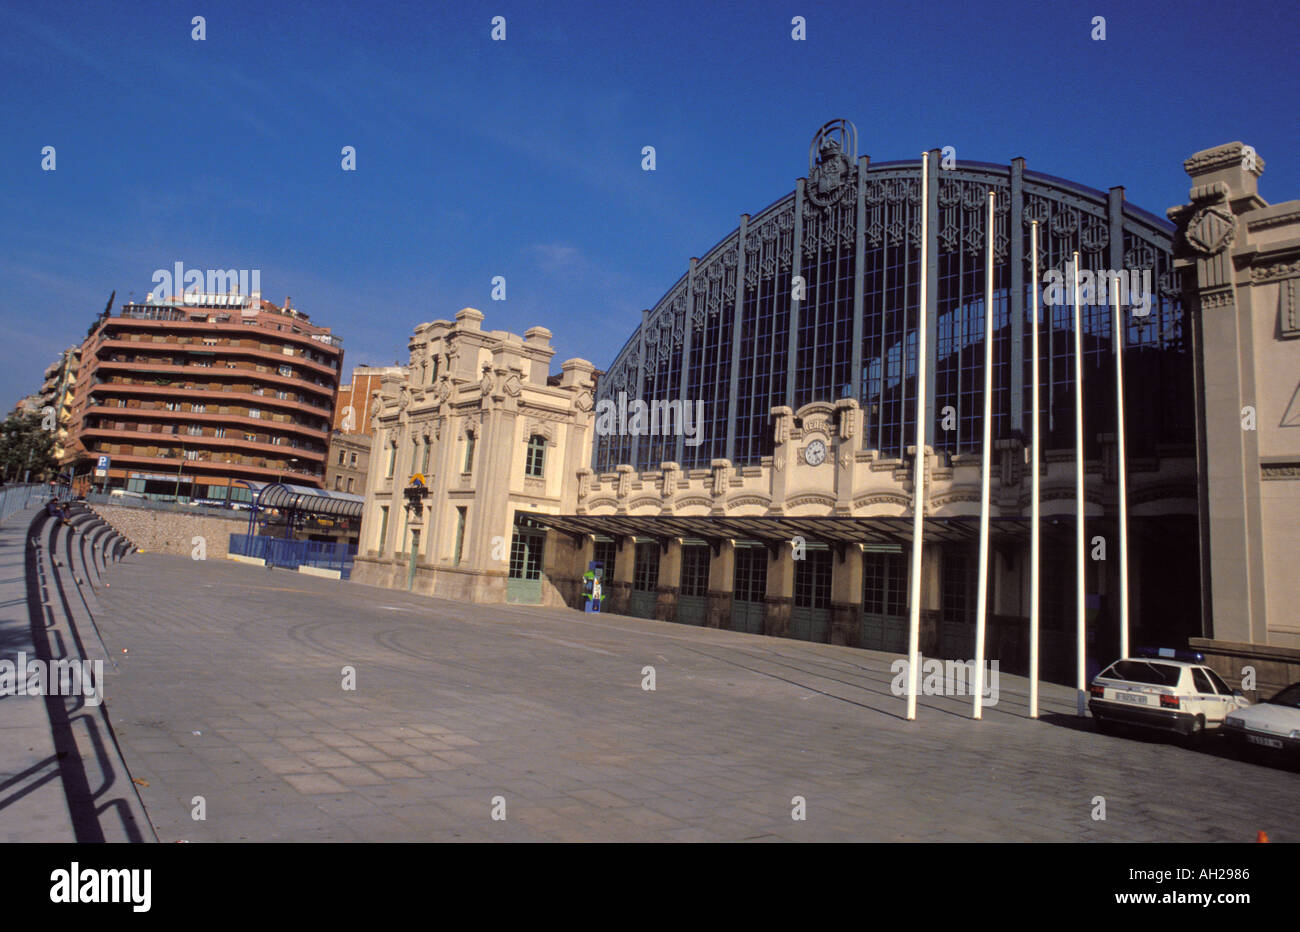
{"type": "Point", "coordinates": [1289, 697]}
{"type": "Point", "coordinates": [1140, 671]}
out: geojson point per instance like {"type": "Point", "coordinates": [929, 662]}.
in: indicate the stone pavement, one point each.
{"type": "Point", "coordinates": [62, 777]}
{"type": "Point", "coordinates": [230, 689]}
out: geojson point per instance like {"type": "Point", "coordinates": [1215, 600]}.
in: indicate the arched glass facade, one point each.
{"type": "Point", "coordinates": [732, 334]}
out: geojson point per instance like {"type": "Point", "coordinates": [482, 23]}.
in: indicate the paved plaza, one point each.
{"type": "Point", "coordinates": [227, 684]}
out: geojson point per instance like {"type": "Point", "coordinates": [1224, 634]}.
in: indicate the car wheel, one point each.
{"type": "Point", "coordinates": [1196, 737]}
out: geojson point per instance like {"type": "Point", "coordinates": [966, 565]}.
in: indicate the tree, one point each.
{"type": "Point", "coordinates": [25, 445]}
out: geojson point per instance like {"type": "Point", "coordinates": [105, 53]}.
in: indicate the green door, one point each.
{"type": "Point", "coordinates": [749, 587]}
{"type": "Point", "coordinates": [884, 600]}
{"type": "Point", "coordinates": [645, 580]}
{"type": "Point", "coordinates": [693, 596]}
{"type": "Point", "coordinates": [810, 616]}
{"type": "Point", "coordinates": [524, 581]}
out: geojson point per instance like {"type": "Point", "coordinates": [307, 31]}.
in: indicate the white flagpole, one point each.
{"type": "Point", "coordinates": [918, 473]}
{"type": "Point", "coordinates": [982, 590]}
{"type": "Point", "coordinates": [1123, 470]}
{"type": "Point", "coordinates": [1079, 566]}
{"type": "Point", "coordinates": [1033, 471]}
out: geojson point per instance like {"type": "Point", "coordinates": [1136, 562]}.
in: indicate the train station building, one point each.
{"type": "Point", "coordinates": [745, 461]}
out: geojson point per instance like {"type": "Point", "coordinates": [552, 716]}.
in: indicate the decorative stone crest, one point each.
{"type": "Point", "coordinates": [830, 164]}
{"type": "Point", "coordinates": [1211, 230]}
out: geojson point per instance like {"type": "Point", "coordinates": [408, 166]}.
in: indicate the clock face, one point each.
{"type": "Point", "coordinates": [815, 453]}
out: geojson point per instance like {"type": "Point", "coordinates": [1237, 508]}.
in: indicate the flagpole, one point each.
{"type": "Point", "coordinates": [1123, 471]}
{"type": "Point", "coordinates": [1080, 587]}
{"type": "Point", "coordinates": [918, 470]}
{"type": "Point", "coordinates": [1033, 498]}
{"type": "Point", "coordinates": [982, 597]}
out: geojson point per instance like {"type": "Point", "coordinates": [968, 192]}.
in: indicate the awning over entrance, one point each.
{"type": "Point", "coordinates": [306, 500]}
{"type": "Point", "coordinates": [774, 529]}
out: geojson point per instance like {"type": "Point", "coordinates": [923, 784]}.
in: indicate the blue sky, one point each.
{"type": "Point", "coordinates": [522, 158]}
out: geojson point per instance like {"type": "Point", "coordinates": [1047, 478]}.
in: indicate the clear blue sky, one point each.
{"type": "Point", "coordinates": [523, 158]}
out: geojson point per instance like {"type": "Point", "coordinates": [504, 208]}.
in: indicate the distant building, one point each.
{"type": "Point", "coordinates": [194, 396]}
{"type": "Point", "coordinates": [352, 415]}
{"type": "Point", "coordinates": [484, 432]}
{"type": "Point", "coordinates": [58, 393]}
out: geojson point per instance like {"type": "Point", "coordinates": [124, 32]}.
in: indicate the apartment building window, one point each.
{"type": "Point", "coordinates": [209, 341]}
{"type": "Point", "coordinates": [383, 527]}
{"type": "Point", "coordinates": [195, 430]}
{"type": "Point", "coordinates": [338, 483]}
{"type": "Point", "coordinates": [220, 432]}
{"type": "Point", "coordinates": [349, 483]}
{"type": "Point", "coordinates": [352, 460]}
{"type": "Point", "coordinates": [460, 534]}
{"type": "Point", "coordinates": [255, 412]}
{"type": "Point", "coordinates": [536, 458]}
{"type": "Point", "coordinates": [172, 405]}
{"type": "Point", "coordinates": [341, 455]}
{"type": "Point", "coordinates": [286, 371]}
{"type": "Point", "coordinates": [392, 459]}
{"type": "Point", "coordinates": [469, 451]}
{"type": "Point", "coordinates": [425, 467]}
{"type": "Point", "coordinates": [199, 409]}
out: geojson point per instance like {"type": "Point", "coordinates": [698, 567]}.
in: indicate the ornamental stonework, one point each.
{"type": "Point", "coordinates": [1211, 230]}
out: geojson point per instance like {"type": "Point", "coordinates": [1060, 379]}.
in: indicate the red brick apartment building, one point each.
{"type": "Point", "coordinates": [190, 396]}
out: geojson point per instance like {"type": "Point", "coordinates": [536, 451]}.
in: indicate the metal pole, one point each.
{"type": "Point", "coordinates": [918, 470]}
{"type": "Point", "coordinates": [986, 461]}
{"type": "Point", "coordinates": [1080, 587]}
{"type": "Point", "coordinates": [1034, 541]}
{"type": "Point", "coordinates": [1123, 471]}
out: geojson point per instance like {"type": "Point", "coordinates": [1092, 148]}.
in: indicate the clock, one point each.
{"type": "Point", "coordinates": [815, 453]}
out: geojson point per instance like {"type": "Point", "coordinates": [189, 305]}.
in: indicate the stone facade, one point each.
{"type": "Point", "coordinates": [480, 420]}
{"type": "Point", "coordinates": [1240, 258]}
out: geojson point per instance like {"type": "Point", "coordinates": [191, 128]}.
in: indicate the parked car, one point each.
{"type": "Point", "coordinates": [1273, 725]}
{"type": "Point", "coordinates": [1181, 696]}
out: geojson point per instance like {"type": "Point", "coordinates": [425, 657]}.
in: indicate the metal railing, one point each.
{"type": "Point", "coordinates": [17, 497]}
{"type": "Point", "coordinates": [291, 554]}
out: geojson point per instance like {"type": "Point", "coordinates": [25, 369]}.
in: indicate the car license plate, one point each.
{"type": "Point", "coordinates": [1138, 698]}
{"type": "Point", "coordinates": [1266, 742]}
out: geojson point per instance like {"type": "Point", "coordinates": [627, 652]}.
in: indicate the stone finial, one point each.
{"type": "Point", "coordinates": [1230, 170]}
{"type": "Point", "coordinates": [469, 318]}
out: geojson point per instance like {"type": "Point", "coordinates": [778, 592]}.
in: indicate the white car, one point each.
{"type": "Point", "coordinates": [1154, 692]}
{"type": "Point", "coordinates": [1273, 725]}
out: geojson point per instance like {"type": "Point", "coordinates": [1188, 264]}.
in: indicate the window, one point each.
{"type": "Point", "coordinates": [219, 432]}
{"type": "Point", "coordinates": [392, 459]}
{"type": "Point", "coordinates": [338, 483]}
{"type": "Point", "coordinates": [1202, 682]}
{"type": "Point", "coordinates": [341, 454]}
{"type": "Point", "coordinates": [352, 460]}
{"type": "Point", "coordinates": [645, 567]}
{"type": "Point", "coordinates": [469, 452]}
{"type": "Point", "coordinates": [383, 527]}
{"type": "Point", "coordinates": [424, 468]}
{"type": "Point", "coordinates": [751, 574]}
{"type": "Point", "coordinates": [286, 371]}
{"type": "Point", "coordinates": [195, 430]}
{"type": "Point", "coordinates": [884, 583]}
{"type": "Point", "coordinates": [812, 580]}
{"type": "Point", "coordinates": [349, 483]}
{"type": "Point", "coordinates": [460, 535]}
{"type": "Point", "coordinates": [255, 412]}
{"type": "Point", "coordinates": [199, 409]}
{"type": "Point", "coordinates": [695, 571]}
{"type": "Point", "coordinates": [606, 554]}
{"type": "Point", "coordinates": [536, 458]}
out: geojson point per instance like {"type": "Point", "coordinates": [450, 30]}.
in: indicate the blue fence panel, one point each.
{"type": "Point", "coordinates": [17, 497]}
{"type": "Point", "coordinates": [291, 554]}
